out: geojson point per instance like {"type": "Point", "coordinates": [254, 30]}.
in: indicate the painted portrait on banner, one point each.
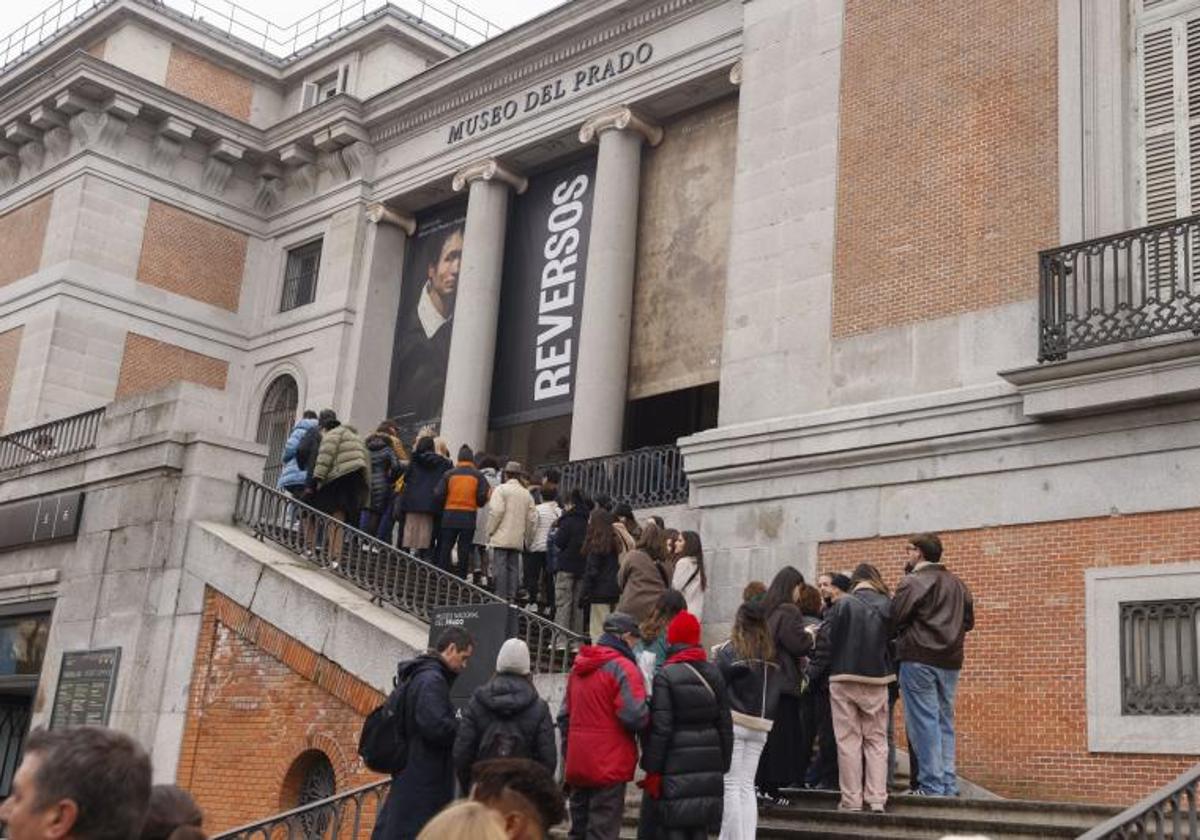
{"type": "Point", "coordinates": [429, 290]}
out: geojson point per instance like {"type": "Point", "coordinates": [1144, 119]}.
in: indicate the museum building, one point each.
{"type": "Point", "coordinates": [807, 276]}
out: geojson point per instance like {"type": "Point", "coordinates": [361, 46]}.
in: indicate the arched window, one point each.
{"type": "Point", "coordinates": [275, 421]}
{"type": "Point", "coordinates": [310, 779]}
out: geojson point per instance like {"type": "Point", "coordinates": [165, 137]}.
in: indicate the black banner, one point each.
{"type": "Point", "coordinates": [541, 299]}
{"type": "Point", "coordinates": [489, 625]}
{"type": "Point", "coordinates": [429, 287]}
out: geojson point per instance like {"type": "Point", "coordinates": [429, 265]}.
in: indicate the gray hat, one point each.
{"type": "Point", "coordinates": [619, 623]}
{"type": "Point", "coordinates": [513, 658]}
{"type": "Point", "coordinates": [514, 468]}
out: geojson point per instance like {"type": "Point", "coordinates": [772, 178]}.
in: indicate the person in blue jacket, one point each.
{"type": "Point", "coordinates": [293, 477]}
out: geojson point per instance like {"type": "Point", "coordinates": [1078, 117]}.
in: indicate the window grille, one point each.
{"type": "Point", "coordinates": [300, 276]}
{"type": "Point", "coordinates": [1160, 674]}
{"type": "Point", "coordinates": [275, 421]}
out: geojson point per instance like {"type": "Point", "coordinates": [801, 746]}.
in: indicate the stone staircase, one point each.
{"type": "Point", "coordinates": [813, 815]}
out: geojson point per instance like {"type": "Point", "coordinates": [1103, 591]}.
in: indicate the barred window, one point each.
{"type": "Point", "coordinates": [1160, 673]}
{"type": "Point", "coordinates": [300, 277]}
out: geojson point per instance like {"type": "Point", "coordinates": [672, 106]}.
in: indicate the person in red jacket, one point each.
{"type": "Point", "coordinates": [602, 713]}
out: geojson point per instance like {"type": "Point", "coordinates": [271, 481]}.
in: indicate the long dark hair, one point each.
{"type": "Point", "coordinates": [751, 638]}
{"type": "Point", "coordinates": [693, 549]}
{"type": "Point", "coordinates": [782, 589]}
{"type": "Point", "coordinates": [868, 574]}
{"type": "Point", "coordinates": [669, 605]}
{"type": "Point", "coordinates": [653, 542]}
{"type": "Point", "coordinates": [600, 537]}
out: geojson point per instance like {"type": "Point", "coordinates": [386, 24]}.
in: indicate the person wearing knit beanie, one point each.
{"type": "Point", "coordinates": [513, 658]}
{"type": "Point", "coordinates": [684, 629]}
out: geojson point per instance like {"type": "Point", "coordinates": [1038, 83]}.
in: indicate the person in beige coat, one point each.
{"type": "Point", "coordinates": [643, 575]}
{"type": "Point", "coordinates": [512, 517]}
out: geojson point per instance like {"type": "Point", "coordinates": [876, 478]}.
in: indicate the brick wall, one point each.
{"type": "Point", "coordinates": [22, 232]}
{"type": "Point", "coordinates": [947, 160]}
{"type": "Point", "coordinates": [148, 364]}
{"type": "Point", "coordinates": [10, 350]}
{"type": "Point", "coordinates": [1022, 705]}
{"type": "Point", "coordinates": [208, 83]}
{"type": "Point", "coordinates": [189, 255]}
{"type": "Point", "coordinates": [259, 700]}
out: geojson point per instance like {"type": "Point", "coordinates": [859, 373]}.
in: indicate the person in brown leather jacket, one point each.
{"type": "Point", "coordinates": [933, 611]}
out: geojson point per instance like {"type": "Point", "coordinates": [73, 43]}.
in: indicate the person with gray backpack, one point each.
{"type": "Point", "coordinates": [505, 718]}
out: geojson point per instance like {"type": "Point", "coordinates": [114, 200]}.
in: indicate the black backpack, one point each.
{"type": "Point", "coordinates": [382, 742]}
{"type": "Point", "coordinates": [503, 739]}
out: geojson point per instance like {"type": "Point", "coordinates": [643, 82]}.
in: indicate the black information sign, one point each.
{"type": "Point", "coordinates": [489, 625]}
{"type": "Point", "coordinates": [85, 688]}
{"type": "Point", "coordinates": [40, 520]}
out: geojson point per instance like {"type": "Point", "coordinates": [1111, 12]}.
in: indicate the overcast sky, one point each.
{"type": "Point", "coordinates": [505, 13]}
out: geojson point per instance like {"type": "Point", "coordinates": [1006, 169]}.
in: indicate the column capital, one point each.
{"type": "Point", "coordinates": [620, 118]}
{"type": "Point", "coordinates": [378, 213]}
{"type": "Point", "coordinates": [488, 169]}
{"type": "Point", "coordinates": [735, 73]}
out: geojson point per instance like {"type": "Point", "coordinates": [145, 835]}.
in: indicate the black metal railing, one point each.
{"type": "Point", "coordinates": [385, 572]}
{"type": "Point", "coordinates": [1168, 812]}
{"type": "Point", "coordinates": [650, 477]}
{"type": "Point", "coordinates": [1136, 284]}
{"type": "Point", "coordinates": [349, 815]}
{"type": "Point", "coordinates": [50, 440]}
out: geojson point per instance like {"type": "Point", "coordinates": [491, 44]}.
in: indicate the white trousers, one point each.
{"type": "Point", "coordinates": [740, 818]}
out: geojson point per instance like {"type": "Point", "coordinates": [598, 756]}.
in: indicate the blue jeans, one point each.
{"type": "Point", "coordinates": [928, 694]}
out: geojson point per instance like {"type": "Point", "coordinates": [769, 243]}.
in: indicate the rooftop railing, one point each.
{"type": "Point", "coordinates": [349, 815]}
{"type": "Point", "coordinates": [650, 477]}
{"type": "Point", "coordinates": [65, 436]}
{"type": "Point", "coordinates": [1133, 285]}
{"type": "Point", "coordinates": [386, 573]}
{"type": "Point", "coordinates": [442, 18]}
{"type": "Point", "coordinates": [1171, 811]}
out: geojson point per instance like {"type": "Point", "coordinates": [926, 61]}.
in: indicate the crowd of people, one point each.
{"type": "Point", "coordinates": [801, 695]}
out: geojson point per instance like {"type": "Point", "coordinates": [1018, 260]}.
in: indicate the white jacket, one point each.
{"type": "Point", "coordinates": [687, 570]}
{"type": "Point", "coordinates": [512, 516]}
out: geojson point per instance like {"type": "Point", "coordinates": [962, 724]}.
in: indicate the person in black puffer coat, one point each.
{"type": "Point", "coordinates": [568, 575]}
{"type": "Point", "coordinates": [505, 718]}
{"type": "Point", "coordinates": [599, 591]}
{"type": "Point", "coordinates": [690, 745]}
{"type": "Point", "coordinates": [384, 467]}
{"type": "Point", "coordinates": [419, 499]}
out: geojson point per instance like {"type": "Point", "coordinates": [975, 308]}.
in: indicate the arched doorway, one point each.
{"type": "Point", "coordinates": [275, 421]}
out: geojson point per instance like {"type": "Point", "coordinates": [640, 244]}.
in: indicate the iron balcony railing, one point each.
{"type": "Point", "coordinates": [282, 43]}
{"type": "Point", "coordinates": [50, 440]}
{"type": "Point", "coordinates": [349, 815]}
{"type": "Point", "coordinates": [1136, 284]}
{"type": "Point", "coordinates": [650, 477]}
{"type": "Point", "coordinates": [387, 573]}
{"type": "Point", "coordinates": [1169, 812]}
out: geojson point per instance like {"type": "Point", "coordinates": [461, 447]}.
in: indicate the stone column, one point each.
{"type": "Point", "coordinates": [602, 369]}
{"type": "Point", "coordinates": [477, 308]}
{"type": "Point", "coordinates": [377, 305]}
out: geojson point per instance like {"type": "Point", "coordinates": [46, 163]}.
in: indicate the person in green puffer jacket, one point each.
{"type": "Point", "coordinates": [341, 480]}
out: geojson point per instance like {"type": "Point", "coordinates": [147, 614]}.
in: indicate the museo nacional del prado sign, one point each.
{"type": "Point", "coordinates": [566, 85]}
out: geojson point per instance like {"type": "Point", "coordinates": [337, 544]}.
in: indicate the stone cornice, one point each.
{"type": "Point", "coordinates": [493, 83]}
{"type": "Point", "coordinates": [489, 169]}
{"type": "Point", "coordinates": [620, 118]}
{"type": "Point", "coordinates": [382, 214]}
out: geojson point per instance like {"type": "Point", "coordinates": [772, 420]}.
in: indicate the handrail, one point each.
{"type": "Point", "coordinates": [387, 573]}
{"type": "Point", "coordinates": [649, 477]}
{"type": "Point", "coordinates": [1131, 285]}
{"type": "Point", "coordinates": [64, 436]}
{"type": "Point", "coordinates": [339, 815]}
{"type": "Point", "coordinates": [1168, 812]}
{"type": "Point", "coordinates": [443, 18]}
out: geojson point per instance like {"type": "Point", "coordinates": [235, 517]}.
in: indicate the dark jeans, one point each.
{"type": "Point", "coordinates": [391, 515]}
{"type": "Point", "coordinates": [823, 772]}
{"type": "Point", "coordinates": [535, 580]}
{"type": "Point", "coordinates": [596, 813]}
{"type": "Point", "coordinates": [463, 537]}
